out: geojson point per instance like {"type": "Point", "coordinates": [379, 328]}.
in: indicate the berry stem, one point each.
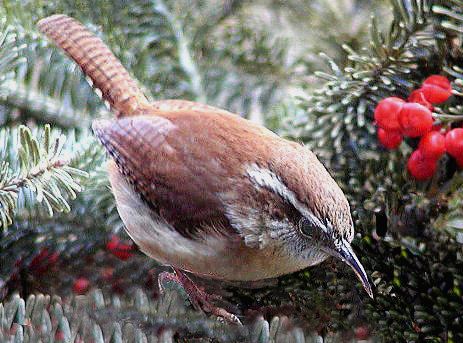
{"type": "Point", "coordinates": [455, 92]}
{"type": "Point", "coordinates": [447, 117]}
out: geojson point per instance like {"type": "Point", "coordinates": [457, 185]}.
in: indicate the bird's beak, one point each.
{"type": "Point", "coordinates": [345, 253]}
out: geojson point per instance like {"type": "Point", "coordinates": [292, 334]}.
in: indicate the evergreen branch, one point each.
{"type": "Point", "coordinates": [453, 16]}
{"type": "Point", "coordinates": [7, 197]}
{"type": "Point", "coordinates": [97, 199]}
{"type": "Point", "coordinates": [178, 61]}
{"type": "Point", "coordinates": [451, 222]}
{"type": "Point", "coordinates": [40, 83]}
{"type": "Point", "coordinates": [391, 67]}
{"type": "Point", "coordinates": [40, 107]}
{"type": "Point", "coordinates": [9, 52]}
{"type": "Point", "coordinates": [155, 47]}
{"type": "Point", "coordinates": [186, 60]}
{"type": "Point", "coordinates": [228, 9]}
{"type": "Point", "coordinates": [43, 171]}
{"type": "Point", "coordinates": [182, 61]}
{"type": "Point", "coordinates": [93, 318]}
{"type": "Point", "coordinates": [81, 231]}
{"type": "Point", "coordinates": [10, 58]}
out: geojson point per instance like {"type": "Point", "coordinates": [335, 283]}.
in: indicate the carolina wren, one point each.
{"type": "Point", "coordinates": [204, 190]}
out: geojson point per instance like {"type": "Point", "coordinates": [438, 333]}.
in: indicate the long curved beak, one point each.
{"type": "Point", "coordinates": [346, 254]}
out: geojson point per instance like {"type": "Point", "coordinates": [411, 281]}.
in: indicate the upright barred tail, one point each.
{"type": "Point", "coordinates": [98, 63]}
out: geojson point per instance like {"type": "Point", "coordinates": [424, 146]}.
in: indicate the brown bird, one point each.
{"type": "Point", "coordinates": [206, 191]}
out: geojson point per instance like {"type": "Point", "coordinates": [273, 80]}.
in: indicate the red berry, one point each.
{"type": "Point", "coordinates": [43, 261]}
{"type": "Point", "coordinates": [436, 89]}
{"type": "Point", "coordinates": [81, 285]}
{"type": "Point", "coordinates": [415, 120]}
{"type": "Point", "coordinates": [362, 332]}
{"type": "Point", "coordinates": [123, 251]}
{"type": "Point", "coordinates": [39, 260]}
{"type": "Point", "coordinates": [439, 81]}
{"type": "Point", "coordinates": [420, 167]}
{"type": "Point", "coordinates": [113, 243]}
{"type": "Point", "coordinates": [59, 335]}
{"type": "Point", "coordinates": [390, 139]}
{"type": "Point", "coordinates": [386, 113]}
{"type": "Point", "coordinates": [432, 145]}
{"type": "Point", "coordinates": [454, 143]}
{"type": "Point", "coordinates": [418, 97]}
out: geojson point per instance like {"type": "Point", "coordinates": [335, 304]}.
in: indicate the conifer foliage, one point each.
{"type": "Point", "coordinates": [68, 273]}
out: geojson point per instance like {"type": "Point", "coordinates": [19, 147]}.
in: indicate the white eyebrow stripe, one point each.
{"type": "Point", "coordinates": [268, 179]}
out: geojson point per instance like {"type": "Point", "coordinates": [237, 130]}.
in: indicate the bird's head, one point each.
{"type": "Point", "coordinates": [320, 224]}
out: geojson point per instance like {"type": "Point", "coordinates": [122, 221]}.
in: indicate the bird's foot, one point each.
{"type": "Point", "coordinates": [200, 300]}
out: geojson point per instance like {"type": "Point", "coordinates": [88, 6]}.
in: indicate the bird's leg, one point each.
{"type": "Point", "coordinates": [200, 300]}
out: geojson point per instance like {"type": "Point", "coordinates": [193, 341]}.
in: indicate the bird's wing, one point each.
{"type": "Point", "coordinates": [172, 180]}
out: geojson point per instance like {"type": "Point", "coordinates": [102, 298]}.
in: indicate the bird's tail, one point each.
{"type": "Point", "coordinates": [98, 63]}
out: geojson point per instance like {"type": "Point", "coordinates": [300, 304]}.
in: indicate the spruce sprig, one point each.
{"type": "Point", "coordinates": [43, 170]}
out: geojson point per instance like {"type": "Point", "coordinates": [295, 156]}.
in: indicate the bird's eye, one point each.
{"type": "Point", "coordinates": [310, 229]}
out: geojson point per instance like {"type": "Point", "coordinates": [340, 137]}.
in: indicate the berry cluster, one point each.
{"type": "Point", "coordinates": [397, 118]}
{"type": "Point", "coordinates": [119, 249]}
